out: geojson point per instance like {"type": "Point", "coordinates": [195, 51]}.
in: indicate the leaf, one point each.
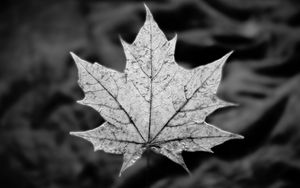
{"type": "Point", "coordinates": [155, 104]}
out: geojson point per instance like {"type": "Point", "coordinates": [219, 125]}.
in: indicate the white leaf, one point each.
{"type": "Point", "coordinates": [155, 104]}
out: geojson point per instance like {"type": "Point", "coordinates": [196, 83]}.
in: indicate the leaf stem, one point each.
{"type": "Point", "coordinates": [148, 169]}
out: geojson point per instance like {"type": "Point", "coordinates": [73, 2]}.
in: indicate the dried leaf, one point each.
{"type": "Point", "coordinates": [155, 104]}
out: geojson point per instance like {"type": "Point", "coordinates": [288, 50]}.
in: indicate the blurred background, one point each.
{"type": "Point", "coordinates": [38, 91]}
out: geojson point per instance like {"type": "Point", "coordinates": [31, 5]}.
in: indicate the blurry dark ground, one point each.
{"type": "Point", "coordinates": [38, 90]}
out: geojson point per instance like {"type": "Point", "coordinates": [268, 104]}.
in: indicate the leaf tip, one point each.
{"type": "Point", "coordinates": [221, 61]}
{"type": "Point", "coordinates": [123, 42]}
{"type": "Point", "coordinates": [182, 163]}
{"type": "Point", "coordinates": [79, 102]}
{"type": "Point", "coordinates": [146, 7]}
{"type": "Point", "coordinates": [188, 171]}
{"type": "Point", "coordinates": [73, 133]}
{"type": "Point", "coordinates": [74, 56]}
{"type": "Point", "coordinates": [233, 104]}
{"type": "Point", "coordinates": [229, 53]}
{"type": "Point", "coordinates": [174, 39]}
{"type": "Point", "coordinates": [120, 174]}
{"type": "Point", "coordinates": [79, 134]}
{"type": "Point", "coordinates": [240, 137]}
{"type": "Point", "coordinates": [226, 56]}
{"type": "Point", "coordinates": [148, 13]}
{"type": "Point", "coordinates": [237, 136]}
{"type": "Point", "coordinates": [229, 104]}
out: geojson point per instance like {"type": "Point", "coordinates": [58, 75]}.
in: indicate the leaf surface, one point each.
{"type": "Point", "coordinates": [154, 104]}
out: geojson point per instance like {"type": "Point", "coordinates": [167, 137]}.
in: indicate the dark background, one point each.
{"type": "Point", "coordinates": [38, 90]}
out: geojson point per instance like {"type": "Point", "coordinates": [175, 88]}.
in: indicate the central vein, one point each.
{"type": "Point", "coordinates": [151, 79]}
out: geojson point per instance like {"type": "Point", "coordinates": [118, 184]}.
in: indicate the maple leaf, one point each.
{"type": "Point", "coordinates": [155, 104]}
